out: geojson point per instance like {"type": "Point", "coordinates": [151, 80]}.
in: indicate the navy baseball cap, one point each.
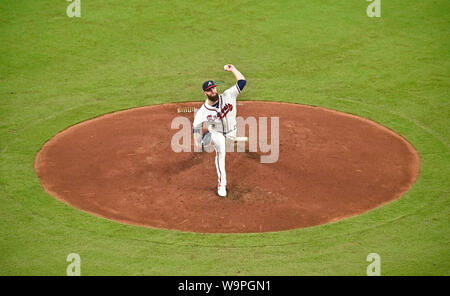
{"type": "Point", "coordinates": [208, 84]}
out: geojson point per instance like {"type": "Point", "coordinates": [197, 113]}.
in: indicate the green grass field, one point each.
{"type": "Point", "coordinates": [57, 71]}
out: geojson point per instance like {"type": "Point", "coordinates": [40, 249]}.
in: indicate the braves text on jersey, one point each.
{"type": "Point", "coordinates": [222, 116]}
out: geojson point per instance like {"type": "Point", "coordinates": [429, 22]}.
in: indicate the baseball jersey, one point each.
{"type": "Point", "coordinates": [222, 116]}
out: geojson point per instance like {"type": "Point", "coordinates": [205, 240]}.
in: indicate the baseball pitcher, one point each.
{"type": "Point", "coordinates": [219, 111]}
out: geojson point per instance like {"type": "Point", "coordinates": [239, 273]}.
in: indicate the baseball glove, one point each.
{"type": "Point", "coordinates": [206, 139]}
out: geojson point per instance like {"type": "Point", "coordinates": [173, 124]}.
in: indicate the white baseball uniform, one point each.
{"type": "Point", "coordinates": [221, 119]}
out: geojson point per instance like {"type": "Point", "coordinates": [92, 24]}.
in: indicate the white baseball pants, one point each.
{"type": "Point", "coordinates": [219, 141]}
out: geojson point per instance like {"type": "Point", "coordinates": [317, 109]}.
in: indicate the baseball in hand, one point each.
{"type": "Point", "coordinates": [227, 67]}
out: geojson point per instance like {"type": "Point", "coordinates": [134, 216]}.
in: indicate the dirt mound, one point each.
{"type": "Point", "coordinates": [331, 165]}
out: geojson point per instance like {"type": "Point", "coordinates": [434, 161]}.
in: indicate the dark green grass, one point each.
{"type": "Point", "coordinates": [56, 72]}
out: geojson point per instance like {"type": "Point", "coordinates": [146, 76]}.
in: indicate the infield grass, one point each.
{"type": "Point", "coordinates": [57, 71]}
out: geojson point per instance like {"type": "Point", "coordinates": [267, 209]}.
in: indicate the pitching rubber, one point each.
{"type": "Point", "coordinates": [241, 139]}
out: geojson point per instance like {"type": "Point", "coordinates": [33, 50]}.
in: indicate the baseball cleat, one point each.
{"type": "Point", "coordinates": [222, 190]}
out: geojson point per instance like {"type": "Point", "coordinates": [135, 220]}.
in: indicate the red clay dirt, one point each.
{"type": "Point", "coordinates": [331, 165]}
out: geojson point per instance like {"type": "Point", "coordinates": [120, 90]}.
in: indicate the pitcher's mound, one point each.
{"type": "Point", "coordinates": [331, 165]}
